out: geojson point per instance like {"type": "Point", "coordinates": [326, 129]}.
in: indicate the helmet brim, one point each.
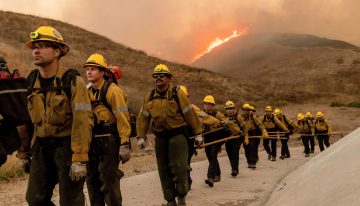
{"type": "Point", "coordinates": [65, 48]}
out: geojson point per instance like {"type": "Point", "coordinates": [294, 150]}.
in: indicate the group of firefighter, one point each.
{"type": "Point", "coordinates": [78, 132]}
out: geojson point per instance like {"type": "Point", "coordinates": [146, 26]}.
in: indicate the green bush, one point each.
{"type": "Point", "coordinates": [354, 104]}
{"type": "Point", "coordinates": [336, 104]}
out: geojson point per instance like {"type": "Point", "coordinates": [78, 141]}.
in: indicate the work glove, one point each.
{"type": "Point", "coordinates": [77, 171]}
{"type": "Point", "coordinates": [25, 164]}
{"type": "Point", "coordinates": [124, 153]}
{"type": "Point", "coordinates": [199, 139]}
{"type": "Point", "coordinates": [225, 125]}
{"type": "Point", "coordinates": [265, 134]}
{"type": "Point", "coordinates": [141, 142]}
{"type": "Point", "coordinates": [246, 141]}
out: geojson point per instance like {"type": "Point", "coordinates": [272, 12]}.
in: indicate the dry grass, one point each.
{"type": "Point", "coordinates": [11, 169]}
{"type": "Point", "coordinates": [137, 66]}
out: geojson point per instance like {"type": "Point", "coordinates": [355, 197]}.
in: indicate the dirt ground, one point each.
{"type": "Point", "coordinates": [249, 188]}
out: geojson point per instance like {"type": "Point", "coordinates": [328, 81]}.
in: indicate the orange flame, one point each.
{"type": "Point", "coordinates": [217, 42]}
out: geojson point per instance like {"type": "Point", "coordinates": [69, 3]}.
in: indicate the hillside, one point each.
{"type": "Point", "coordinates": [290, 67]}
{"type": "Point", "coordinates": [137, 66]}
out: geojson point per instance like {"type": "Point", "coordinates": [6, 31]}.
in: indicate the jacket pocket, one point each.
{"type": "Point", "coordinates": [172, 109]}
{"type": "Point", "coordinates": [36, 108]}
{"type": "Point", "coordinates": [60, 110]}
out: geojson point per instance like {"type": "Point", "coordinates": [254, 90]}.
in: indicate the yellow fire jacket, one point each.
{"type": "Point", "coordinates": [273, 122]}
{"type": "Point", "coordinates": [54, 115]}
{"type": "Point", "coordinates": [306, 127]}
{"type": "Point", "coordinates": [166, 114]}
{"type": "Point", "coordinates": [119, 114]}
{"type": "Point", "coordinates": [252, 123]}
{"type": "Point", "coordinates": [239, 122]}
{"type": "Point", "coordinates": [206, 119]}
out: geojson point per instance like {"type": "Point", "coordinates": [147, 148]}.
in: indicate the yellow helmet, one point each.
{"type": "Point", "coordinates": [161, 69]}
{"type": "Point", "coordinates": [209, 99]}
{"type": "Point", "coordinates": [183, 88]}
{"type": "Point", "coordinates": [229, 104]}
{"type": "Point", "coordinates": [300, 116]}
{"type": "Point", "coordinates": [48, 33]}
{"type": "Point", "coordinates": [268, 109]}
{"type": "Point", "coordinates": [319, 114]}
{"type": "Point", "coordinates": [277, 111]}
{"type": "Point", "coordinates": [308, 114]}
{"type": "Point", "coordinates": [96, 60]}
{"type": "Point", "coordinates": [246, 106]}
{"type": "Point", "coordinates": [252, 108]}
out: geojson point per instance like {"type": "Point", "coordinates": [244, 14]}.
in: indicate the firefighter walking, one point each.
{"type": "Point", "coordinates": [285, 152]}
{"type": "Point", "coordinates": [322, 130]}
{"type": "Point", "coordinates": [310, 117]}
{"type": "Point", "coordinates": [171, 114]}
{"type": "Point", "coordinates": [272, 124]}
{"type": "Point", "coordinates": [110, 142]}
{"type": "Point", "coordinates": [255, 128]}
{"type": "Point", "coordinates": [62, 124]}
{"type": "Point", "coordinates": [306, 130]}
{"type": "Point", "coordinates": [233, 146]}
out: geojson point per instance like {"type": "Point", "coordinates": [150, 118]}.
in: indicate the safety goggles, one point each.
{"type": "Point", "coordinates": [156, 76]}
{"type": "Point", "coordinates": [36, 35]}
{"type": "Point", "coordinates": [3, 66]}
{"type": "Point", "coordinates": [42, 45]}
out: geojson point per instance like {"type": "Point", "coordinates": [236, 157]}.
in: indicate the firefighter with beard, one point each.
{"type": "Point", "coordinates": [306, 129]}
{"type": "Point", "coordinates": [205, 120]}
{"type": "Point", "coordinates": [322, 130]}
{"type": "Point", "coordinates": [110, 142]}
{"type": "Point", "coordinates": [170, 113]}
{"type": "Point", "coordinates": [310, 117]}
{"type": "Point", "coordinates": [62, 124]}
{"type": "Point", "coordinates": [233, 146]}
{"type": "Point", "coordinates": [272, 124]}
{"type": "Point", "coordinates": [285, 153]}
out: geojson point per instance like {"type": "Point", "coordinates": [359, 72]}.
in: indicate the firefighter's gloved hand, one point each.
{"type": "Point", "coordinates": [141, 142]}
{"type": "Point", "coordinates": [199, 139]}
{"type": "Point", "coordinates": [77, 171]}
{"type": "Point", "coordinates": [246, 141]}
{"type": "Point", "coordinates": [124, 153]}
{"type": "Point", "coordinates": [265, 134]}
{"type": "Point", "coordinates": [25, 164]}
{"type": "Point", "coordinates": [225, 125]}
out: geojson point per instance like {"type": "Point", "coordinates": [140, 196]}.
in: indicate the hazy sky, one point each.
{"type": "Point", "coordinates": [178, 30]}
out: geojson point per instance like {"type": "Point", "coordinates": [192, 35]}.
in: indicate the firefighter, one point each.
{"type": "Point", "coordinates": [205, 120]}
{"type": "Point", "coordinates": [272, 124]}
{"type": "Point", "coordinates": [170, 113]}
{"type": "Point", "coordinates": [255, 128]}
{"type": "Point", "coordinates": [233, 146]}
{"type": "Point", "coordinates": [306, 130]}
{"type": "Point", "coordinates": [214, 172]}
{"type": "Point", "coordinates": [62, 124]}
{"type": "Point", "coordinates": [110, 142]}
{"type": "Point", "coordinates": [322, 130]}
{"type": "Point", "coordinates": [310, 117]}
{"type": "Point", "coordinates": [285, 153]}
{"type": "Point", "coordinates": [4, 70]}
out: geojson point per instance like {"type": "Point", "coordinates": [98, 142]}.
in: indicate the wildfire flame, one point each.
{"type": "Point", "coordinates": [218, 41]}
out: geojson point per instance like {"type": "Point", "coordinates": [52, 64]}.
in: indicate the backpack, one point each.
{"type": "Point", "coordinates": [104, 101]}
{"type": "Point", "coordinates": [67, 78]}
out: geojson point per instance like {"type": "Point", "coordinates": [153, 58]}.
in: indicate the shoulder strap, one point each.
{"type": "Point", "coordinates": [174, 95]}
{"type": "Point", "coordinates": [151, 96]}
{"type": "Point", "coordinates": [103, 93]}
{"type": "Point", "coordinates": [31, 78]}
{"type": "Point", "coordinates": [255, 122]}
{"type": "Point", "coordinates": [67, 78]}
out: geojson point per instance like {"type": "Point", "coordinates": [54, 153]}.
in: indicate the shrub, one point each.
{"type": "Point", "coordinates": [336, 104]}
{"type": "Point", "coordinates": [354, 104]}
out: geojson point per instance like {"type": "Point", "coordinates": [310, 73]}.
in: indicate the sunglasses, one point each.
{"type": "Point", "coordinates": [155, 76]}
{"type": "Point", "coordinates": [3, 66]}
{"type": "Point", "coordinates": [41, 46]}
